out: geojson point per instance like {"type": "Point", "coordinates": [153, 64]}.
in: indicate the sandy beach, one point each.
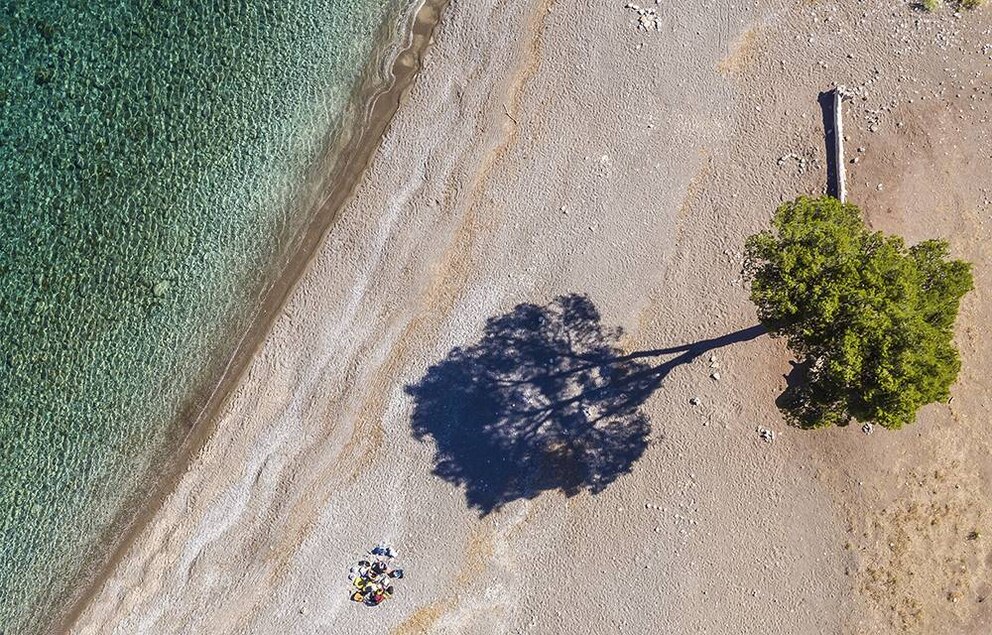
{"type": "Point", "coordinates": [551, 154]}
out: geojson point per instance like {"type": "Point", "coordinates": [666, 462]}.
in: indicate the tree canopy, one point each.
{"type": "Point", "coordinates": [870, 320]}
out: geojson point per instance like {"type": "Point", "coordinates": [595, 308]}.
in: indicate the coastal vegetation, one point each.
{"type": "Point", "coordinates": [870, 320]}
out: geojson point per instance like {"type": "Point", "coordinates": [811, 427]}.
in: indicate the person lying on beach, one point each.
{"type": "Point", "coordinates": [383, 550]}
{"type": "Point", "coordinates": [375, 596]}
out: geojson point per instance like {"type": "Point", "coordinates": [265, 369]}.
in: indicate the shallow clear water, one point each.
{"type": "Point", "coordinates": [152, 156]}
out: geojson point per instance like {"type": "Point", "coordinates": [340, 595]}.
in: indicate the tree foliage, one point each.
{"type": "Point", "coordinates": [870, 320]}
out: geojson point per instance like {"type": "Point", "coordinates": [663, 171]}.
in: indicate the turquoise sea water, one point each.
{"type": "Point", "coordinates": [152, 161]}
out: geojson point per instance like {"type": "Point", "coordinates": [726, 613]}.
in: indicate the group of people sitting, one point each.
{"type": "Point", "coordinates": [373, 576]}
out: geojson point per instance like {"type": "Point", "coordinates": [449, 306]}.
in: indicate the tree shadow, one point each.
{"type": "Point", "coordinates": [545, 400]}
{"type": "Point", "coordinates": [800, 403]}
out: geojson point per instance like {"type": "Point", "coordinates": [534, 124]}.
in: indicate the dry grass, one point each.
{"type": "Point", "coordinates": [921, 558]}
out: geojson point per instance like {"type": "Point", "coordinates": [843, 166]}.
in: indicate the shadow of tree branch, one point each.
{"type": "Point", "coordinates": [545, 400]}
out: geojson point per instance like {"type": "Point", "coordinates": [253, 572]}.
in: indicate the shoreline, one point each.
{"type": "Point", "coordinates": [382, 94]}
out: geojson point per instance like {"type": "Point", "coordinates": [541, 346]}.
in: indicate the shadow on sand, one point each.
{"type": "Point", "coordinates": [830, 140]}
{"type": "Point", "coordinates": [800, 403]}
{"type": "Point", "coordinates": [544, 401]}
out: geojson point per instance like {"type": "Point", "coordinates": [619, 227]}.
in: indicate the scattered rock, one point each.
{"type": "Point", "coordinates": [801, 162]}
{"type": "Point", "coordinates": [161, 288]}
{"type": "Point", "coordinates": [766, 435]}
{"type": "Point", "coordinates": [715, 375]}
{"type": "Point", "coordinates": [43, 76]}
{"type": "Point", "coordinates": [694, 401]}
{"type": "Point", "coordinates": [868, 428]}
{"type": "Point", "coordinates": [647, 19]}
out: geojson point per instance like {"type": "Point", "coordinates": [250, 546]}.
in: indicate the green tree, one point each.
{"type": "Point", "coordinates": [869, 320]}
